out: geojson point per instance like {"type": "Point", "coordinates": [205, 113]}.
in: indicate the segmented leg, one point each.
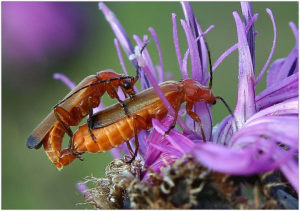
{"type": "Point", "coordinates": [90, 106]}
{"type": "Point", "coordinates": [176, 108]}
{"type": "Point", "coordinates": [114, 94]}
{"type": "Point", "coordinates": [124, 106]}
{"type": "Point", "coordinates": [195, 117]}
{"type": "Point", "coordinates": [142, 124]}
{"type": "Point", "coordinates": [129, 148]}
{"type": "Point", "coordinates": [72, 151]}
{"type": "Point", "coordinates": [64, 117]}
{"type": "Point", "coordinates": [52, 144]}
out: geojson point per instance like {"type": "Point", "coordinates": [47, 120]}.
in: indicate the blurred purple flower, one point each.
{"type": "Point", "coordinates": [264, 135]}
{"type": "Point", "coordinates": [32, 31]}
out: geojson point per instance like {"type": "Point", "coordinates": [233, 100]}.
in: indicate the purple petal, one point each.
{"type": "Point", "coordinates": [161, 76]}
{"type": "Point", "coordinates": [121, 94]}
{"type": "Point", "coordinates": [178, 141]}
{"type": "Point", "coordinates": [118, 30]}
{"type": "Point", "coordinates": [142, 136]}
{"type": "Point", "coordinates": [272, 49]}
{"type": "Point", "coordinates": [203, 51]}
{"type": "Point", "coordinates": [176, 42]}
{"type": "Point", "coordinates": [120, 56]}
{"type": "Point", "coordinates": [227, 160]}
{"type": "Point", "coordinates": [146, 60]}
{"type": "Point", "coordinates": [199, 45]}
{"type": "Point", "coordinates": [143, 60]}
{"type": "Point", "coordinates": [208, 30]}
{"type": "Point", "coordinates": [234, 47]}
{"type": "Point", "coordinates": [221, 133]}
{"type": "Point", "coordinates": [184, 70]}
{"type": "Point", "coordinates": [81, 187]}
{"type": "Point", "coordinates": [273, 70]}
{"type": "Point", "coordinates": [224, 130]}
{"type": "Point", "coordinates": [248, 14]}
{"type": "Point", "coordinates": [167, 150]}
{"type": "Point", "coordinates": [161, 63]}
{"type": "Point", "coordinates": [164, 160]}
{"type": "Point", "coordinates": [295, 32]}
{"type": "Point", "coordinates": [278, 129]}
{"type": "Point", "coordinates": [158, 90]}
{"type": "Point", "coordinates": [115, 153]}
{"type": "Point", "coordinates": [155, 138]}
{"type": "Point", "coordinates": [245, 107]}
{"type": "Point", "coordinates": [288, 107]}
{"type": "Point", "coordinates": [284, 68]}
{"type": "Point", "coordinates": [63, 78]}
{"type": "Point", "coordinates": [195, 61]}
{"type": "Point", "coordinates": [290, 170]}
{"type": "Point", "coordinates": [283, 90]}
{"type": "Point", "coordinates": [202, 109]}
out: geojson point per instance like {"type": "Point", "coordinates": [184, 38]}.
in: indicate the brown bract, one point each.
{"type": "Point", "coordinates": [186, 184]}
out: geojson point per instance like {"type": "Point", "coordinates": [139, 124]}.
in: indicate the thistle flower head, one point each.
{"type": "Point", "coordinates": [265, 122]}
{"type": "Point", "coordinates": [262, 133]}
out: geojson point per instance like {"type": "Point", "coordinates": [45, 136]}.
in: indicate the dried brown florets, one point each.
{"type": "Point", "coordinates": [186, 184]}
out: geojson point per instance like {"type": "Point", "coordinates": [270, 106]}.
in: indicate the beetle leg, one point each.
{"type": "Point", "coordinates": [123, 104]}
{"type": "Point", "coordinates": [130, 148]}
{"type": "Point", "coordinates": [72, 151]}
{"type": "Point", "coordinates": [112, 92]}
{"type": "Point", "coordinates": [195, 117]}
{"type": "Point", "coordinates": [142, 122]}
{"type": "Point", "coordinates": [90, 123]}
{"type": "Point", "coordinates": [177, 103]}
{"type": "Point", "coordinates": [92, 135]}
{"type": "Point", "coordinates": [66, 117]}
{"type": "Point", "coordinates": [177, 108]}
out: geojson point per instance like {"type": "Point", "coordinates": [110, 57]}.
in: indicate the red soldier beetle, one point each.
{"type": "Point", "coordinates": [80, 102]}
{"type": "Point", "coordinates": [112, 127]}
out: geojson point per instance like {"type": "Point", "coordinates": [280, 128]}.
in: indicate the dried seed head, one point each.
{"type": "Point", "coordinates": [185, 184]}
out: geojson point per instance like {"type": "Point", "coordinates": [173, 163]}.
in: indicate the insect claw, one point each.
{"type": "Point", "coordinates": [74, 153]}
{"type": "Point", "coordinates": [77, 155]}
{"type": "Point", "coordinates": [130, 161]}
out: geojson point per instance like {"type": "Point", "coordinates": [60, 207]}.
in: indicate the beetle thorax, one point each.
{"type": "Point", "coordinates": [196, 92]}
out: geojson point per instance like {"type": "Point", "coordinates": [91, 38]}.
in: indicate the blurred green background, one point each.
{"type": "Point", "coordinates": [29, 180]}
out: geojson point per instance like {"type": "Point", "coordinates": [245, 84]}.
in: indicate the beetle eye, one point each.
{"type": "Point", "coordinates": [127, 84]}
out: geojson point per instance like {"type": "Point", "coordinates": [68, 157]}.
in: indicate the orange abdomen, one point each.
{"type": "Point", "coordinates": [115, 134]}
{"type": "Point", "coordinates": [52, 145]}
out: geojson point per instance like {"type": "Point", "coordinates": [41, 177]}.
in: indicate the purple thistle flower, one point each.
{"type": "Point", "coordinates": [265, 121]}
{"type": "Point", "coordinates": [263, 136]}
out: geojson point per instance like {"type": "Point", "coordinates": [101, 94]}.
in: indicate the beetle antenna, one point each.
{"type": "Point", "coordinates": [145, 45]}
{"type": "Point", "coordinates": [210, 66]}
{"type": "Point", "coordinates": [229, 109]}
{"type": "Point", "coordinates": [138, 68]}
{"type": "Point", "coordinates": [92, 84]}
